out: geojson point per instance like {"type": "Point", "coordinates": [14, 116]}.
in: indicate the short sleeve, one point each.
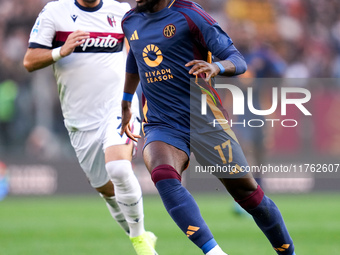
{"type": "Point", "coordinates": [43, 31]}
{"type": "Point", "coordinates": [131, 64]}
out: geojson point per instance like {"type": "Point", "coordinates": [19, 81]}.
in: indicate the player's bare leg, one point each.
{"type": "Point", "coordinates": [128, 195]}
{"type": "Point", "coordinates": [166, 163]}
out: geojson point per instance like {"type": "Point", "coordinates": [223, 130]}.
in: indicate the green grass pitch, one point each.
{"type": "Point", "coordinates": [81, 225]}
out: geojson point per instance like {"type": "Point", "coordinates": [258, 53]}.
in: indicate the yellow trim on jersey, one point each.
{"type": "Point", "coordinates": [171, 4]}
{"type": "Point", "coordinates": [143, 127]}
{"type": "Point", "coordinates": [214, 109]}
{"type": "Point", "coordinates": [145, 110]}
{"type": "Point", "coordinates": [209, 60]}
{"type": "Point", "coordinates": [219, 116]}
{"type": "Point", "coordinates": [205, 90]}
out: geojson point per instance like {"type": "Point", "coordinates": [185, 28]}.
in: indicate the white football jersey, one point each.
{"type": "Point", "coordinates": [91, 79]}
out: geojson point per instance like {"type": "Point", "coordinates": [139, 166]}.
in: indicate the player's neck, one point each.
{"type": "Point", "coordinates": [88, 3]}
{"type": "Point", "coordinates": [161, 5]}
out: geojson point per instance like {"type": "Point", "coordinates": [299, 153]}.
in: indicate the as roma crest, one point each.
{"type": "Point", "coordinates": [169, 31]}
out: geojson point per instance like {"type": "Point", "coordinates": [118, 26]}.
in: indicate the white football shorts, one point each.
{"type": "Point", "coordinates": [90, 146]}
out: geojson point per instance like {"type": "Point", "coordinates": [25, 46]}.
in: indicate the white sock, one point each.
{"type": "Point", "coordinates": [216, 251]}
{"type": "Point", "coordinates": [128, 194]}
{"type": "Point", "coordinates": [117, 213]}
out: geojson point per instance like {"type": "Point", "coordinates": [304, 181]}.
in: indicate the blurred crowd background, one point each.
{"type": "Point", "coordinates": [279, 38]}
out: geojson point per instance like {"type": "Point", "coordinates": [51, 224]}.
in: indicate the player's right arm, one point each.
{"type": "Point", "coordinates": [131, 83]}
{"type": "Point", "coordinates": [37, 58]}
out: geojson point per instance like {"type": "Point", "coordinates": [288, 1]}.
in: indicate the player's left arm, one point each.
{"type": "Point", "coordinates": [233, 64]}
{"type": "Point", "coordinates": [215, 40]}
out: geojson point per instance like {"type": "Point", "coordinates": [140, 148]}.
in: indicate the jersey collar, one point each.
{"type": "Point", "coordinates": [87, 9]}
{"type": "Point", "coordinates": [161, 12]}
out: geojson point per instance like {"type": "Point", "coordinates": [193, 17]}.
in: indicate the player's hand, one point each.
{"type": "Point", "coordinates": [126, 117]}
{"type": "Point", "coordinates": [200, 66]}
{"type": "Point", "coordinates": [73, 40]}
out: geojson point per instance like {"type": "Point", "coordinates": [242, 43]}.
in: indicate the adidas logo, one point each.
{"type": "Point", "coordinates": [282, 248]}
{"type": "Point", "coordinates": [191, 230]}
{"type": "Point", "coordinates": [134, 36]}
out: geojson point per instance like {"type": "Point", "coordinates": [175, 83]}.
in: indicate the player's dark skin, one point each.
{"type": "Point", "coordinates": [159, 153]}
{"type": "Point", "coordinates": [151, 5]}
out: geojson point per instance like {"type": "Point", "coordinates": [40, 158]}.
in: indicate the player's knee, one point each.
{"type": "Point", "coordinates": [164, 172]}
{"type": "Point", "coordinates": [119, 170]}
{"type": "Point", "coordinates": [107, 190]}
{"type": "Point", "coordinates": [253, 200]}
{"type": "Point", "coordinates": [106, 194]}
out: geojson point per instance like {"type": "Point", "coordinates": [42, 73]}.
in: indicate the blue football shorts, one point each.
{"type": "Point", "coordinates": [217, 150]}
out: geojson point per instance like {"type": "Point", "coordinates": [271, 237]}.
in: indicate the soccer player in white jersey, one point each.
{"type": "Point", "coordinates": [84, 42]}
